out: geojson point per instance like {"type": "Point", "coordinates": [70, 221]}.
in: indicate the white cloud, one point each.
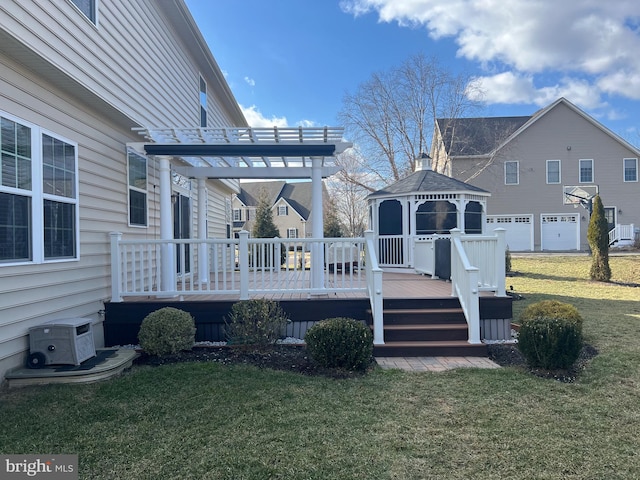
{"type": "Point", "coordinates": [250, 81]}
{"type": "Point", "coordinates": [256, 119]}
{"type": "Point", "coordinates": [593, 45]}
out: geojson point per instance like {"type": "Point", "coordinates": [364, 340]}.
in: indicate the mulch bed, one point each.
{"type": "Point", "coordinates": [294, 358]}
{"type": "Point", "coordinates": [508, 355]}
{"type": "Point", "coordinates": [291, 358]}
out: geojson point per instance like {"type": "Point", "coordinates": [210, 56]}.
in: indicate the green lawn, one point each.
{"type": "Point", "coordinates": [200, 421]}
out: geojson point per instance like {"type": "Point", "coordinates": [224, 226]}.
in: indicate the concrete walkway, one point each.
{"type": "Point", "coordinates": [434, 364]}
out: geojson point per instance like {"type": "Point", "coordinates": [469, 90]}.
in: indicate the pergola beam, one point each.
{"type": "Point", "coordinates": [240, 150]}
{"type": "Point", "coordinates": [254, 172]}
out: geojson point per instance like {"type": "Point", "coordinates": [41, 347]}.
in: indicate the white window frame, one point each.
{"type": "Point", "coordinates": [202, 100]}
{"type": "Point", "coordinates": [38, 197]}
{"type": "Point", "coordinates": [559, 172]}
{"type": "Point", "coordinates": [283, 208]}
{"type": "Point", "coordinates": [143, 191]}
{"type": "Point", "coordinates": [593, 175]}
{"type": "Point", "coordinates": [517, 163]}
{"type": "Point", "coordinates": [237, 215]}
{"type": "Point", "coordinates": [292, 230]}
{"type": "Point", "coordinates": [93, 19]}
{"type": "Point", "coordinates": [624, 169]}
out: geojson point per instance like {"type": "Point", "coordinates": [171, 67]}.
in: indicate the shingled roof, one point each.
{"type": "Point", "coordinates": [476, 136]}
{"type": "Point", "coordinates": [426, 181]}
{"type": "Point", "coordinates": [297, 194]}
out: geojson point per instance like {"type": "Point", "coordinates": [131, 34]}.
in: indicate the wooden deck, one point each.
{"type": "Point", "coordinates": [123, 319]}
{"type": "Point", "coordinates": [394, 285]}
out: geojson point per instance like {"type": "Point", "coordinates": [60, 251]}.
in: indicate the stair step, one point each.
{"type": "Point", "coordinates": [428, 332]}
{"type": "Point", "coordinates": [399, 316]}
{"type": "Point", "coordinates": [458, 348]}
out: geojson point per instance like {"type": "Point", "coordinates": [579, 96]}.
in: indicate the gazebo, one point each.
{"type": "Point", "coordinates": [425, 203]}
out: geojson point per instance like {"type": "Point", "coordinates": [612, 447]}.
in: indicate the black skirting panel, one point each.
{"type": "Point", "coordinates": [122, 320]}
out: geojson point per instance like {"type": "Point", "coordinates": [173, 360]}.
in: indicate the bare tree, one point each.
{"type": "Point", "coordinates": [349, 192]}
{"type": "Point", "coordinates": [391, 116]}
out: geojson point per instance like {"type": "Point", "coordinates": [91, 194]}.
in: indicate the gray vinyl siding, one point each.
{"type": "Point", "coordinates": [131, 59]}
{"type": "Point", "coordinates": [92, 85]}
{"type": "Point", "coordinates": [561, 134]}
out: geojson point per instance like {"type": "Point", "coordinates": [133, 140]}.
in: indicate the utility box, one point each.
{"type": "Point", "coordinates": [443, 258]}
{"type": "Point", "coordinates": [61, 342]}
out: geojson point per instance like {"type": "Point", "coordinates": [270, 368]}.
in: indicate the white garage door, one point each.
{"type": "Point", "coordinates": [519, 229]}
{"type": "Point", "coordinates": [560, 231]}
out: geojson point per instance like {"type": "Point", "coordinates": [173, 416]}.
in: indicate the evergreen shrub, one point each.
{"type": "Point", "coordinates": [550, 335]}
{"type": "Point", "coordinates": [255, 322]}
{"type": "Point", "coordinates": [340, 343]}
{"type": "Point", "coordinates": [166, 331]}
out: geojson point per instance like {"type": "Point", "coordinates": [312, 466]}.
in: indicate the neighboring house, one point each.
{"type": "Point", "coordinates": [291, 206]}
{"type": "Point", "coordinates": [541, 171]}
{"type": "Point", "coordinates": [76, 77]}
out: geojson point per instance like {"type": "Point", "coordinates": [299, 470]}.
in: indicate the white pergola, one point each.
{"type": "Point", "coordinates": [242, 153]}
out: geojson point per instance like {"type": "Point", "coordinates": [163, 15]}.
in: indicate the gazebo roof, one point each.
{"type": "Point", "coordinates": [428, 181]}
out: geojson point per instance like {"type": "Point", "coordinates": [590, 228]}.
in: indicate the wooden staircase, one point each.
{"type": "Point", "coordinates": [415, 327]}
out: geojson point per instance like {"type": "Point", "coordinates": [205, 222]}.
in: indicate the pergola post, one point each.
{"type": "Point", "coordinates": [168, 263]}
{"type": "Point", "coordinates": [203, 251]}
{"type": "Point", "coordinates": [317, 224]}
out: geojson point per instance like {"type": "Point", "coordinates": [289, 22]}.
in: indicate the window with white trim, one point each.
{"type": "Point", "coordinates": [137, 173]}
{"type": "Point", "coordinates": [586, 171]}
{"type": "Point", "coordinates": [292, 233]}
{"type": "Point", "coordinates": [237, 215]}
{"type": "Point", "coordinates": [630, 166]}
{"type": "Point", "coordinates": [203, 102]}
{"type": "Point", "coordinates": [283, 210]}
{"type": "Point", "coordinates": [88, 8]}
{"type": "Point", "coordinates": [38, 194]}
{"type": "Point", "coordinates": [511, 174]}
{"type": "Point", "coordinates": [553, 172]}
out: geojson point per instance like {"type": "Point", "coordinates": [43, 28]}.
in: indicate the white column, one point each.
{"type": "Point", "coordinates": [168, 267]}
{"type": "Point", "coordinates": [317, 224]}
{"type": "Point", "coordinates": [203, 251]}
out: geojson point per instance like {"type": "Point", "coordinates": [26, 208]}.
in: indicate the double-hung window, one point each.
{"type": "Point", "coordinates": [137, 189]}
{"type": "Point", "coordinates": [630, 169]}
{"type": "Point", "coordinates": [237, 215]}
{"type": "Point", "coordinates": [511, 176]}
{"type": "Point", "coordinates": [553, 171]}
{"type": "Point", "coordinates": [38, 194]}
{"type": "Point", "coordinates": [586, 171]}
{"type": "Point", "coordinates": [283, 210]}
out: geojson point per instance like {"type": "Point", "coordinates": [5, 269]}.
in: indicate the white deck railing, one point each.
{"type": "Point", "coordinates": [240, 266]}
{"type": "Point", "coordinates": [374, 287]}
{"type": "Point", "coordinates": [623, 234]}
{"type": "Point", "coordinates": [477, 264]}
{"type": "Point", "coordinates": [464, 285]}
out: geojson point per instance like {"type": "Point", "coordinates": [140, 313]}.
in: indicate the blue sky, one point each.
{"type": "Point", "coordinates": [290, 62]}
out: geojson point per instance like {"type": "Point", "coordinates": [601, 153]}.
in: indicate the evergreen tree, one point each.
{"type": "Point", "coordinates": [598, 236]}
{"type": "Point", "coordinates": [332, 224]}
{"type": "Point", "coordinates": [263, 226]}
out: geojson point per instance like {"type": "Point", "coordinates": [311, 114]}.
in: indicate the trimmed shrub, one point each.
{"type": "Point", "coordinates": [507, 260]}
{"type": "Point", "coordinates": [550, 335]}
{"type": "Point", "coordinates": [551, 309]}
{"type": "Point", "coordinates": [340, 343]}
{"type": "Point", "coordinates": [167, 331]}
{"type": "Point", "coordinates": [255, 322]}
